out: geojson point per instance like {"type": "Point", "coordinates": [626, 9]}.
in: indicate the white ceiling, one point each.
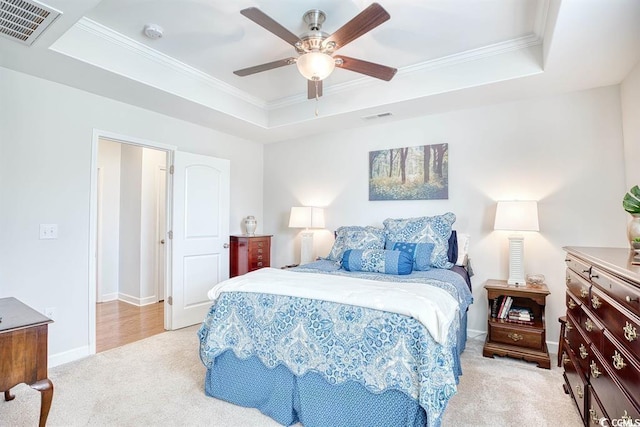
{"type": "Point", "coordinates": [449, 53]}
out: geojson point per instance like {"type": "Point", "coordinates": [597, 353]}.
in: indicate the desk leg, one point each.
{"type": "Point", "coordinates": [8, 396]}
{"type": "Point", "coordinates": [45, 387]}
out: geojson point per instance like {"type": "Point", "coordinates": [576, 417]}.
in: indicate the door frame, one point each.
{"type": "Point", "coordinates": [93, 222]}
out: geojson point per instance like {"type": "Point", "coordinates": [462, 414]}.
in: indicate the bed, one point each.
{"type": "Point", "coordinates": [330, 344]}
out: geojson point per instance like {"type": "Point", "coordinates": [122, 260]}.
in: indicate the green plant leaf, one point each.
{"type": "Point", "coordinates": [635, 191]}
{"type": "Point", "coordinates": [631, 201]}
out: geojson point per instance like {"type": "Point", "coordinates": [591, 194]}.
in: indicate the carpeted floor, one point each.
{"type": "Point", "coordinates": [159, 382]}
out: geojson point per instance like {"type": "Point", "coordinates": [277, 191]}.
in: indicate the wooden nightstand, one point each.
{"type": "Point", "coordinates": [525, 340]}
{"type": "Point", "coordinates": [248, 253]}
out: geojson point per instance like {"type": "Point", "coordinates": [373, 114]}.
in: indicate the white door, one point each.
{"type": "Point", "coordinates": [200, 255]}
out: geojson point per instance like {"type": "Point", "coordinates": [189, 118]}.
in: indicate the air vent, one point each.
{"type": "Point", "coordinates": [377, 116]}
{"type": "Point", "coordinates": [23, 21]}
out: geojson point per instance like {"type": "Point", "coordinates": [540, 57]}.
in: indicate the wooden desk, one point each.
{"type": "Point", "coordinates": [23, 352]}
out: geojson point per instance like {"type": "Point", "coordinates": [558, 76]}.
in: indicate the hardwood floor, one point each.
{"type": "Point", "coordinates": [119, 323]}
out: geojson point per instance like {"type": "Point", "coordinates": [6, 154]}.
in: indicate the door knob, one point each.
{"type": "Point", "coordinates": [226, 245]}
{"type": "Point", "coordinates": [162, 241]}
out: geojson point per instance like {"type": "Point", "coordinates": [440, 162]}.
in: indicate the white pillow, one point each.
{"type": "Point", "coordinates": [463, 248]}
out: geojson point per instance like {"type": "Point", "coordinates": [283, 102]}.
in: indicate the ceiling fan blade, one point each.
{"type": "Point", "coordinates": [264, 67]}
{"type": "Point", "coordinates": [378, 71]}
{"type": "Point", "coordinates": [313, 87]}
{"type": "Point", "coordinates": [362, 23]}
{"type": "Point", "coordinates": [265, 21]}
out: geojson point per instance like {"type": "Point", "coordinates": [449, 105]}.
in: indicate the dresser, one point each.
{"type": "Point", "coordinates": [249, 253]}
{"type": "Point", "coordinates": [602, 339]}
{"type": "Point", "coordinates": [23, 352]}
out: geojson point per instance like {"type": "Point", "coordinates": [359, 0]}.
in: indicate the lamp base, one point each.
{"type": "Point", "coordinates": [306, 247]}
{"type": "Point", "coordinates": [516, 260]}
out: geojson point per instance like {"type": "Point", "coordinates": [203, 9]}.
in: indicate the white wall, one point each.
{"type": "Point", "coordinates": [46, 131]}
{"type": "Point", "coordinates": [564, 151]}
{"type": "Point", "coordinates": [630, 98]}
{"type": "Point", "coordinates": [130, 223]}
{"type": "Point", "coordinates": [109, 249]}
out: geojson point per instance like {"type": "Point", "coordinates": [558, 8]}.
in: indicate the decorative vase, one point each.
{"type": "Point", "coordinates": [250, 225]}
{"type": "Point", "coordinates": [633, 231]}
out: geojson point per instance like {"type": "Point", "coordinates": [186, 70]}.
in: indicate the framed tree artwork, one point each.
{"type": "Point", "coordinates": [409, 173]}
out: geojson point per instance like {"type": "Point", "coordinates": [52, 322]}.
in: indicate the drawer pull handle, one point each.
{"type": "Point", "coordinates": [584, 292]}
{"type": "Point", "coordinates": [260, 257]}
{"type": "Point", "coordinates": [583, 351]}
{"type": "Point", "coordinates": [567, 260]}
{"type": "Point", "coordinates": [594, 416]}
{"type": "Point", "coordinates": [260, 264]}
{"type": "Point", "coordinates": [630, 332]}
{"type": "Point", "coordinates": [579, 391]}
{"type": "Point", "coordinates": [595, 372]}
{"type": "Point", "coordinates": [260, 244]}
{"type": "Point", "coordinates": [631, 299]}
{"type": "Point", "coordinates": [626, 417]}
{"type": "Point", "coordinates": [618, 361]}
{"type": "Point", "coordinates": [595, 302]}
{"type": "Point", "coordinates": [514, 336]}
{"type": "Point", "coordinates": [572, 304]}
{"type": "Point", "coordinates": [595, 276]}
{"type": "Point", "coordinates": [259, 251]}
{"type": "Point", "coordinates": [565, 358]}
{"type": "Point", "coordinates": [586, 270]}
{"type": "Point", "coordinates": [568, 280]}
{"type": "Point", "coordinates": [588, 325]}
{"type": "Point", "coordinates": [569, 326]}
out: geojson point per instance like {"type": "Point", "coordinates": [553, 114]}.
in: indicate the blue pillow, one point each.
{"type": "Point", "coordinates": [356, 237]}
{"type": "Point", "coordinates": [420, 253]}
{"type": "Point", "coordinates": [377, 261]}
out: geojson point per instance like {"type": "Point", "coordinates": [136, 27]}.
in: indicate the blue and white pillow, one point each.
{"type": "Point", "coordinates": [377, 261]}
{"type": "Point", "coordinates": [356, 237]}
{"type": "Point", "coordinates": [426, 229]}
{"type": "Point", "coordinates": [420, 253]}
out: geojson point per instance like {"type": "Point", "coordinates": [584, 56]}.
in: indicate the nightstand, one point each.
{"type": "Point", "coordinates": [520, 339]}
{"type": "Point", "coordinates": [248, 253]}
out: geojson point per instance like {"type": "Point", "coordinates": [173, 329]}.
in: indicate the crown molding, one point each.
{"type": "Point", "coordinates": [108, 35]}
{"type": "Point", "coordinates": [524, 42]}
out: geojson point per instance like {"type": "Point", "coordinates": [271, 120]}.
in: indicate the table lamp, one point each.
{"type": "Point", "coordinates": [516, 216]}
{"type": "Point", "coordinates": [306, 217]}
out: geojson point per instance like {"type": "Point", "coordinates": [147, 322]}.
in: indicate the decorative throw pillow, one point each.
{"type": "Point", "coordinates": [355, 237]}
{"type": "Point", "coordinates": [377, 261]}
{"type": "Point", "coordinates": [452, 253]}
{"type": "Point", "coordinates": [426, 229]}
{"type": "Point", "coordinates": [420, 253]}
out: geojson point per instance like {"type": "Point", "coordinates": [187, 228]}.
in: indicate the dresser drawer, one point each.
{"type": "Point", "coordinates": [579, 286]}
{"type": "Point", "coordinates": [573, 304]}
{"type": "Point", "coordinates": [575, 382]}
{"type": "Point", "coordinates": [579, 266]}
{"type": "Point", "coordinates": [609, 392]}
{"type": "Point", "coordinates": [626, 295]}
{"type": "Point", "coordinates": [579, 344]}
{"type": "Point", "coordinates": [591, 327]}
{"type": "Point", "coordinates": [620, 322]}
{"type": "Point", "coordinates": [623, 365]}
{"type": "Point", "coordinates": [596, 412]}
{"type": "Point", "coordinates": [517, 335]}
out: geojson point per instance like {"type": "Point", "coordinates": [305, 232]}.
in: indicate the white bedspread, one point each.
{"type": "Point", "coordinates": [430, 305]}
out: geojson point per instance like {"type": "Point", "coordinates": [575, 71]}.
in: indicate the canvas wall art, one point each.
{"type": "Point", "coordinates": [409, 173]}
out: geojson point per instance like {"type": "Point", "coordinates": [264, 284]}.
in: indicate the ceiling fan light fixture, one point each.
{"type": "Point", "coordinates": [316, 65]}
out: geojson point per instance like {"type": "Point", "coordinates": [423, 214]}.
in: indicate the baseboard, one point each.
{"type": "Point", "coordinates": [68, 356]}
{"type": "Point", "coordinates": [552, 346]}
{"type": "Point", "coordinates": [129, 299]}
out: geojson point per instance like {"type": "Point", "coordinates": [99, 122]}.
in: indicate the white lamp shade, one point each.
{"type": "Point", "coordinates": [306, 217]}
{"type": "Point", "coordinates": [316, 65]}
{"type": "Point", "coordinates": [517, 216]}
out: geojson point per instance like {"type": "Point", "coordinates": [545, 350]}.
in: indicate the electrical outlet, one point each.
{"type": "Point", "coordinates": [48, 231]}
{"type": "Point", "coordinates": [50, 312]}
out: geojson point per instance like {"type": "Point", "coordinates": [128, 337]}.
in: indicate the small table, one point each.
{"type": "Point", "coordinates": [23, 352]}
{"type": "Point", "coordinates": [523, 340]}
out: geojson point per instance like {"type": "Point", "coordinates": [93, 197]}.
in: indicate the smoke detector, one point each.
{"type": "Point", "coordinates": [153, 31]}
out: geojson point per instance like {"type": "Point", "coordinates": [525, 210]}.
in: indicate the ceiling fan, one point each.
{"type": "Point", "coordinates": [315, 48]}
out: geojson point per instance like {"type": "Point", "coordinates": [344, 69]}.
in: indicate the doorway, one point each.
{"type": "Point", "coordinates": [130, 243]}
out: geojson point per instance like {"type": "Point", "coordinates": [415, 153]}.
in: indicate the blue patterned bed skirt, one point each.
{"type": "Point", "coordinates": [308, 399]}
